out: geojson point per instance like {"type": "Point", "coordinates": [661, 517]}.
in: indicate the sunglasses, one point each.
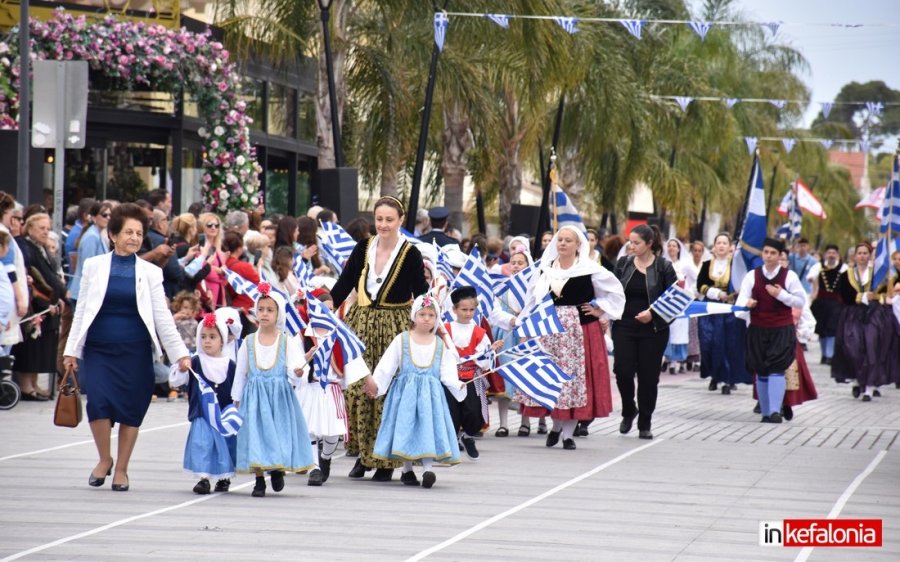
{"type": "Point", "coordinates": [212, 225]}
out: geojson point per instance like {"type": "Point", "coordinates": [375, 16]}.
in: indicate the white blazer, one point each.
{"type": "Point", "coordinates": [151, 304]}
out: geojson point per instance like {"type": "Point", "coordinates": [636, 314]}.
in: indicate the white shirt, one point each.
{"type": "Point", "coordinates": [374, 281]}
{"type": "Point", "coordinates": [462, 335]}
{"type": "Point", "coordinates": [265, 356]}
{"type": "Point", "coordinates": [792, 295]}
{"type": "Point", "coordinates": [390, 363]}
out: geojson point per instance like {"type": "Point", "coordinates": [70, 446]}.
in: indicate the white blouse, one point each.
{"type": "Point", "coordinates": [374, 281]}
{"type": "Point", "coordinates": [462, 335]}
{"type": "Point", "coordinates": [390, 363]}
{"type": "Point", "coordinates": [266, 355]}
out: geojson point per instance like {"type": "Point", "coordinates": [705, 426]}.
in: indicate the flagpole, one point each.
{"type": "Point", "coordinates": [546, 187]}
{"type": "Point", "coordinates": [553, 181]}
{"type": "Point", "coordinates": [739, 223]}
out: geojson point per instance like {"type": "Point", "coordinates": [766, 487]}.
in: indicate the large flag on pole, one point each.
{"type": "Point", "coordinates": [566, 213]}
{"type": "Point", "coordinates": [748, 254]}
{"type": "Point", "coordinates": [890, 227]}
{"type": "Point", "coordinates": [805, 199]}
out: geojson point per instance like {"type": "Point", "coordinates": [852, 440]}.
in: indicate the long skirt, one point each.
{"type": "Point", "coordinates": [863, 340]}
{"type": "Point", "coordinates": [207, 453]}
{"type": "Point", "coordinates": [120, 381]}
{"type": "Point", "coordinates": [807, 391]}
{"type": "Point", "coordinates": [377, 327]}
{"type": "Point", "coordinates": [722, 349]}
{"type": "Point", "coordinates": [580, 350]}
{"type": "Point", "coordinates": [826, 312]}
{"type": "Point", "coordinates": [693, 341]}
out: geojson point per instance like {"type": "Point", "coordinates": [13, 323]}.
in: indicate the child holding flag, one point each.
{"type": "Point", "coordinates": [274, 436]}
{"type": "Point", "coordinates": [416, 423]}
{"type": "Point", "coordinates": [207, 453]}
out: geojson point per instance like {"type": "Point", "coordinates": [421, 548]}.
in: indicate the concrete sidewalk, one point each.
{"type": "Point", "coordinates": [696, 492]}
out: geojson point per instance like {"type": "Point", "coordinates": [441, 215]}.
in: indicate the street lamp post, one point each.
{"type": "Point", "coordinates": [325, 9]}
{"type": "Point", "coordinates": [24, 103]}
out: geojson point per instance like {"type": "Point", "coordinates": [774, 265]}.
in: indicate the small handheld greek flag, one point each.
{"type": "Point", "coordinates": [672, 303]}
{"type": "Point", "coordinates": [228, 420]}
{"type": "Point", "coordinates": [302, 271]}
{"type": "Point", "coordinates": [240, 285]}
{"type": "Point", "coordinates": [336, 244]}
{"type": "Point", "coordinates": [538, 377]}
{"type": "Point", "coordinates": [527, 348]}
{"type": "Point", "coordinates": [707, 308]}
{"type": "Point", "coordinates": [443, 263]}
{"type": "Point", "coordinates": [293, 323]}
{"type": "Point", "coordinates": [321, 359]}
{"type": "Point", "coordinates": [517, 286]}
{"type": "Point", "coordinates": [540, 321]}
{"type": "Point", "coordinates": [322, 318]}
{"type": "Point", "coordinates": [475, 274]}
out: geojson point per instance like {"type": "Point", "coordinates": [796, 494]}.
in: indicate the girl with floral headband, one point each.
{"type": "Point", "coordinates": [274, 436]}
{"type": "Point", "coordinates": [207, 453]}
{"type": "Point", "coordinates": [416, 422]}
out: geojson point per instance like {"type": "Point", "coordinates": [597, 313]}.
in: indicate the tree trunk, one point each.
{"type": "Point", "coordinates": [457, 140]}
{"type": "Point", "coordinates": [390, 170]}
{"type": "Point", "coordinates": [510, 173]}
{"type": "Point", "coordinates": [340, 10]}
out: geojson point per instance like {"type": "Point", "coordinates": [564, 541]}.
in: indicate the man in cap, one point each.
{"type": "Point", "coordinates": [438, 217]}
{"type": "Point", "coordinates": [770, 292]}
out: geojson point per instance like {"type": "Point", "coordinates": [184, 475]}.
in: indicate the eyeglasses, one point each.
{"type": "Point", "coordinates": [212, 225]}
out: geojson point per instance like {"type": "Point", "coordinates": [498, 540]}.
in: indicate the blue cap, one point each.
{"type": "Point", "coordinates": [438, 213]}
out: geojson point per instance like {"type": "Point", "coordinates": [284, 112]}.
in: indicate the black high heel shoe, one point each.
{"type": "Point", "coordinates": [121, 487]}
{"type": "Point", "coordinates": [97, 482]}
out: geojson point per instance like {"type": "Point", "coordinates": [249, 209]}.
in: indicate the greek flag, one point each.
{"type": "Point", "coordinates": [791, 229]}
{"type": "Point", "coordinates": [292, 320]}
{"type": "Point", "coordinates": [517, 286]}
{"type": "Point", "coordinates": [672, 303]}
{"type": "Point", "coordinates": [527, 348]}
{"type": "Point", "coordinates": [540, 321]}
{"type": "Point", "coordinates": [302, 271]}
{"type": "Point", "coordinates": [336, 245]}
{"type": "Point", "coordinates": [475, 274]}
{"type": "Point", "coordinates": [410, 237]}
{"type": "Point", "coordinates": [240, 285]}
{"type": "Point", "coordinates": [748, 254]}
{"type": "Point", "coordinates": [321, 317]}
{"type": "Point", "coordinates": [566, 213]}
{"type": "Point", "coordinates": [498, 281]}
{"type": "Point", "coordinates": [538, 377]}
{"type": "Point", "coordinates": [321, 359]}
{"type": "Point", "coordinates": [228, 420]}
{"type": "Point", "coordinates": [487, 355]}
{"type": "Point", "coordinates": [706, 308]}
{"type": "Point", "coordinates": [890, 227]}
{"type": "Point", "coordinates": [443, 263]}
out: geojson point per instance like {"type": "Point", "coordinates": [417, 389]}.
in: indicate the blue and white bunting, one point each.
{"type": "Point", "coordinates": [672, 302]}
{"type": "Point", "coordinates": [226, 421]}
{"type": "Point", "coordinates": [440, 29]}
{"type": "Point", "coordinates": [864, 145]}
{"type": "Point", "coordinates": [751, 144]}
{"type": "Point", "coordinates": [748, 253]}
{"type": "Point", "coordinates": [701, 28]}
{"type": "Point", "coordinates": [568, 24]}
{"type": "Point", "coordinates": [875, 108]}
{"type": "Point", "coordinates": [633, 26]}
{"type": "Point", "coordinates": [826, 143]}
{"type": "Point", "coordinates": [538, 377]}
{"type": "Point", "coordinates": [731, 102]}
{"type": "Point", "coordinates": [566, 213]}
{"type": "Point", "coordinates": [890, 227]}
{"type": "Point", "coordinates": [774, 26]}
{"type": "Point", "coordinates": [826, 108]}
{"type": "Point", "coordinates": [683, 102]}
{"type": "Point", "coordinates": [322, 318]}
{"type": "Point", "coordinates": [539, 321]}
{"type": "Point", "coordinates": [778, 103]}
{"type": "Point", "coordinates": [499, 19]}
{"type": "Point", "coordinates": [788, 144]}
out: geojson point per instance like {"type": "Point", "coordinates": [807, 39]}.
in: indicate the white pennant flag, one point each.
{"type": "Point", "coordinates": [875, 107]}
{"type": "Point", "coordinates": [567, 23]}
{"type": "Point", "coordinates": [499, 19]}
{"type": "Point", "coordinates": [683, 102]}
{"type": "Point", "coordinates": [701, 28]}
{"type": "Point", "coordinates": [788, 144]}
{"type": "Point", "coordinates": [826, 108]}
{"type": "Point", "coordinates": [751, 144]}
{"type": "Point", "coordinates": [864, 146]}
{"type": "Point", "coordinates": [778, 103]}
{"type": "Point", "coordinates": [633, 26]}
{"type": "Point", "coordinates": [440, 29]}
{"type": "Point", "coordinates": [730, 102]}
{"type": "Point", "coordinates": [826, 143]}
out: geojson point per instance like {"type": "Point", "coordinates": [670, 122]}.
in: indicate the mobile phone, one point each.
{"type": "Point", "coordinates": [211, 251]}
{"type": "Point", "coordinates": [201, 240]}
{"type": "Point", "coordinates": [257, 255]}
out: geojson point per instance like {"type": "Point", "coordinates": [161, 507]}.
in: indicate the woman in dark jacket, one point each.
{"type": "Point", "coordinates": [640, 337]}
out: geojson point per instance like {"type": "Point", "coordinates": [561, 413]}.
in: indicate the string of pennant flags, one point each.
{"type": "Point", "coordinates": [634, 26]}
{"type": "Point", "coordinates": [789, 142]}
{"type": "Point", "coordinates": [875, 108]}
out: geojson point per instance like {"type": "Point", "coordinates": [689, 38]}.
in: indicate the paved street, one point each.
{"type": "Point", "coordinates": [696, 492]}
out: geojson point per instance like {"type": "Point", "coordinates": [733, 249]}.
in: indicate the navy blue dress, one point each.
{"type": "Point", "coordinates": [118, 352]}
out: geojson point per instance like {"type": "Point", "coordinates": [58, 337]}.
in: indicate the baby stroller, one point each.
{"type": "Point", "coordinates": [9, 390]}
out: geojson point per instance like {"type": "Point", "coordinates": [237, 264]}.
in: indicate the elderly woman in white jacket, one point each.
{"type": "Point", "coordinates": [120, 320]}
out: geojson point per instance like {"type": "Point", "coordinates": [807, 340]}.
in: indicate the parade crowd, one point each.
{"type": "Point", "coordinates": [146, 306]}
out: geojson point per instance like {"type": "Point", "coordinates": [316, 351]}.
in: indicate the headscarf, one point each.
{"type": "Point", "coordinates": [232, 319]}
{"type": "Point", "coordinates": [265, 290]}
{"type": "Point", "coordinates": [683, 253]}
{"type": "Point", "coordinates": [552, 276]}
{"type": "Point", "coordinates": [519, 245]}
{"type": "Point", "coordinates": [214, 368]}
{"type": "Point", "coordinates": [455, 256]}
{"type": "Point", "coordinates": [425, 301]}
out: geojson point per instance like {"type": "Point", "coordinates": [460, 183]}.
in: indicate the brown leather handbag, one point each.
{"type": "Point", "coordinates": [68, 412]}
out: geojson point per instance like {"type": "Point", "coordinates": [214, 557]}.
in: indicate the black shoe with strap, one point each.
{"type": "Point", "coordinates": [259, 489]}
{"type": "Point", "coordinates": [202, 487]}
{"type": "Point", "coordinates": [409, 478]}
{"type": "Point", "coordinates": [223, 485]}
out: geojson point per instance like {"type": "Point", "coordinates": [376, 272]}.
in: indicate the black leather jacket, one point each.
{"type": "Point", "coordinates": [660, 275]}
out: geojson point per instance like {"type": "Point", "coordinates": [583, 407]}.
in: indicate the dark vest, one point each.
{"type": "Point", "coordinates": [222, 390]}
{"type": "Point", "coordinates": [577, 291]}
{"type": "Point", "coordinates": [769, 311]}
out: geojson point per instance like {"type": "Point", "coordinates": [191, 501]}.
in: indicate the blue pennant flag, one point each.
{"type": "Point", "coordinates": [683, 102]}
{"type": "Point", "coordinates": [303, 272]}
{"type": "Point", "coordinates": [440, 29]}
{"type": "Point", "coordinates": [633, 26]}
{"type": "Point", "coordinates": [538, 377]}
{"type": "Point", "coordinates": [875, 108]}
{"type": "Point", "coordinates": [228, 420]}
{"type": "Point", "coordinates": [566, 213]}
{"type": "Point", "coordinates": [774, 26]}
{"type": "Point", "coordinates": [890, 227]}
{"type": "Point", "coordinates": [826, 143]}
{"type": "Point", "coordinates": [864, 145]}
{"type": "Point", "coordinates": [778, 103]}
{"type": "Point", "coordinates": [706, 308]}
{"type": "Point", "coordinates": [790, 230]}
{"type": "Point", "coordinates": [499, 19]}
{"type": "Point", "coordinates": [322, 318]}
{"type": "Point", "coordinates": [475, 274]}
{"type": "Point", "coordinates": [540, 321]}
{"type": "Point", "coordinates": [569, 24]}
{"type": "Point", "coordinates": [826, 108]}
{"type": "Point", "coordinates": [731, 102]}
{"type": "Point", "coordinates": [672, 302]}
{"type": "Point", "coordinates": [321, 359]}
{"type": "Point", "coordinates": [701, 28]}
{"type": "Point", "coordinates": [748, 254]}
{"type": "Point", "coordinates": [788, 144]}
{"type": "Point", "coordinates": [751, 144]}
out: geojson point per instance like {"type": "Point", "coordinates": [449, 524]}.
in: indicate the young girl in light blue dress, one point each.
{"type": "Point", "coordinates": [416, 423]}
{"type": "Point", "coordinates": [274, 435]}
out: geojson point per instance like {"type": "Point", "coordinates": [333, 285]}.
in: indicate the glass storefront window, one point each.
{"type": "Point", "coordinates": [277, 191]}
{"type": "Point", "coordinates": [252, 94]}
{"type": "Point", "coordinates": [282, 115]}
{"type": "Point", "coordinates": [151, 102]}
{"type": "Point", "coordinates": [307, 117]}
